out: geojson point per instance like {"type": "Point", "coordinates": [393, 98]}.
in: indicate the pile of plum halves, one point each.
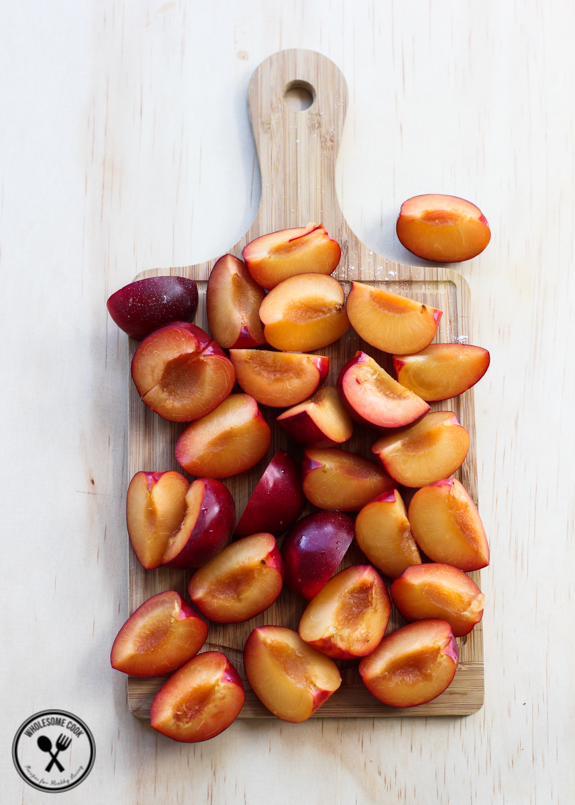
{"type": "Point", "coordinates": [283, 298]}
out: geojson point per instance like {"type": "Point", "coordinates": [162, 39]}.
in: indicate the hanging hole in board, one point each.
{"type": "Point", "coordinates": [299, 95]}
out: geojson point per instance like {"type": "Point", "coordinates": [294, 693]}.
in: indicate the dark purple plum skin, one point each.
{"type": "Point", "coordinates": [276, 502]}
{"type": "Point", "coordinates": [146, 305]}
{"type": "Point", "coordinates": [313, 549]}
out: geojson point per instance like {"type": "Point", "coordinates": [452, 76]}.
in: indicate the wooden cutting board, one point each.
{"type": "Point", "coordinates": [297, 153]}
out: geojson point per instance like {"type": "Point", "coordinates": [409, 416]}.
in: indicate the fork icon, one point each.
{"type": "Point", "coordinates": [62, 744]}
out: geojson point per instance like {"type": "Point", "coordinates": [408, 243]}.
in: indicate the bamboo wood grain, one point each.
{"type": "Point", "coordinates": [297, 153]}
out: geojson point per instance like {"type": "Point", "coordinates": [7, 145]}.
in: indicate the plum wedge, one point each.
{"type": "Point", "coordinates": [447, 526]}
{"type": "Point", "coordinates": [161, 635]}
{"type": "Point", "coordinates": [321, 421]}
{"type": "Point", "coordinates": [441, 371]}
{"type": "Point", "coordinates": [279, 379]}
{"type": "Point", "coordinates": [276, 502]}
{"type": "Point", "coordinates": [383, 533]}
{"type": "Point", "coordinates": [336, 479]}
{"type": "Point", "coordinates": [391, 322]}
{"type": "Point", "coordinates": [233, 300]}
{"type": "Point", "coordinates": [244, 580]}
{"type": "Point", "coordinates": [289, 677]}
{"type": "Point", "coordinates": [427, 451]}
{"type": "Point", "coordinates": [412, 665]}
{"type": "Point", "coordinates": [180, 373]}
{"type": "Point", "coordinates": [446, 229]}
{"type": "Point", "coordinates": [349, 616]}
{"type": "Point", "coordinates": [200, 700]}
{"type": "Point", "coordinates": [155, 510]}
{"type": "Point", "coordinates": [313, 549]}
{"type": "Point", "coordinates": [304, 313]}
{"type": "Point", "coordinates": [441, 591]}
{"type": "Point", "coordinates": [279, 255]}
{"type": "Point", "coordinates": [229, 440]}
{"type": "Point", "coordinates": [146, 305]}
{"type": "Point", "coordinates": [206, 528]}
{"type": "Point", "coordinates": [373, 398]}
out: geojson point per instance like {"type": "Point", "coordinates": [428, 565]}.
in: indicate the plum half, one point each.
{"type": "Point", "coordinates": [304, 313]}
{"type": "Point", "coordinates": [446, 229]}
{"type": "Point", "coordinates": [349, 616]}
{"type": "Point", "coordinates": [289, 677]}
{"type": "Point", "coordinates": [373, 398]}
{"type": "Point", "coordinates": [436, 590]}
{"type": "Point", "coordinates": [391, 322]}
{"type": "Point", "coordinates": [200, 700]}
{"type": "Point", "coordinates": [427, 451]}
{"type": "Point", "coordinates": [383, 533]}
{"type": "Point", "coordinates": [229, 440]}
{"type": "Point", "coordinates": [279, 379]}
{"type": "Point", "coordinates": [336, 479]}
{"type": "Point", "coordinates": [447, 526]}
{"type": "Point", "coordinates": [162, 634]}
{"type": "Point", "coordinates": [279, 255]}
{"type": "Point", "coordinates": [244, 580]}
{"type": "Point", "coordinates": [180, 373]}
{"type": "Point", "coordinates": [441, 371]}
{"type": "Point", "coordinates": [412, 665]}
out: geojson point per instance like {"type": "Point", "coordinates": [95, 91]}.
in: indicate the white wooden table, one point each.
{"type": "Point", "coordinates": [126, 146]}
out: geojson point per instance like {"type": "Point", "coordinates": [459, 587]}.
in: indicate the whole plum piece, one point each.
{"type": "Point", "coordinates": [146, 305]}
{"type": "Point", "coordinates": [313, 549]}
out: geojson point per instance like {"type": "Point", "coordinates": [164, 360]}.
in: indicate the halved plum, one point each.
{"type": "Point", "coordinates": [446, 229]}
{"type": "Point", "coordinates": [279, 255]}
{"type": "Point", "coordinates": [349, 616]}
{"type": "Point", "coordinates": [391, 322]}
{"type": "Point", "coordinates": [321, 421]}
{"type": "Point", "coordinates": [279, 379]}
{"type": "Point", "coordinates": [436, 590]}
{"type": "Point", "coordinates": [244, 580]}
{"type": "Point", "coordinates": [412, 665]}
{"type": "Point", "coordinates": [304, 313]}
{"type": "Point", "coordinates": [336, 479]}
{"type": "Point", "coordinates": [160, 636]}
{"type": "Point", "coordinates": [441, 371]}
{"type": "Point", "coordinates": [199, 701]}
{"type": "Point", "coordinates": [180, 373]}
{"type": "Point", "coordinates": [373, 398]}
{"type": "Point", "coordinates": [427, 451]}
{"type": "Point", "coordinates": [228, 441]}
{"type": "Point", "coordinates": [289, 677]}
{"type": "Point", "coordinates": [383, 533]}
{"type": "Point", "coordinates": [276, 502]}
{"type": "Point", "coordinates": [447, 526]}
{"type": "Point", "coordinates": [313, 549]}
{"type": "Point", "coordinates": [146, 305]}
{"type": "Point", "coordinates": [233, 300]}
{"type": "Point", "coordinates": [155, 509]}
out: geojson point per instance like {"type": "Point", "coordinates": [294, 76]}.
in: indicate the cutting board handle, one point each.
{"type": "Point", "coordinates": [297, 150]}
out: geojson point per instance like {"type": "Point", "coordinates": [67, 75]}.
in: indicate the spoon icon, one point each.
{"type": "Point", "coordinates": [45, 744]}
